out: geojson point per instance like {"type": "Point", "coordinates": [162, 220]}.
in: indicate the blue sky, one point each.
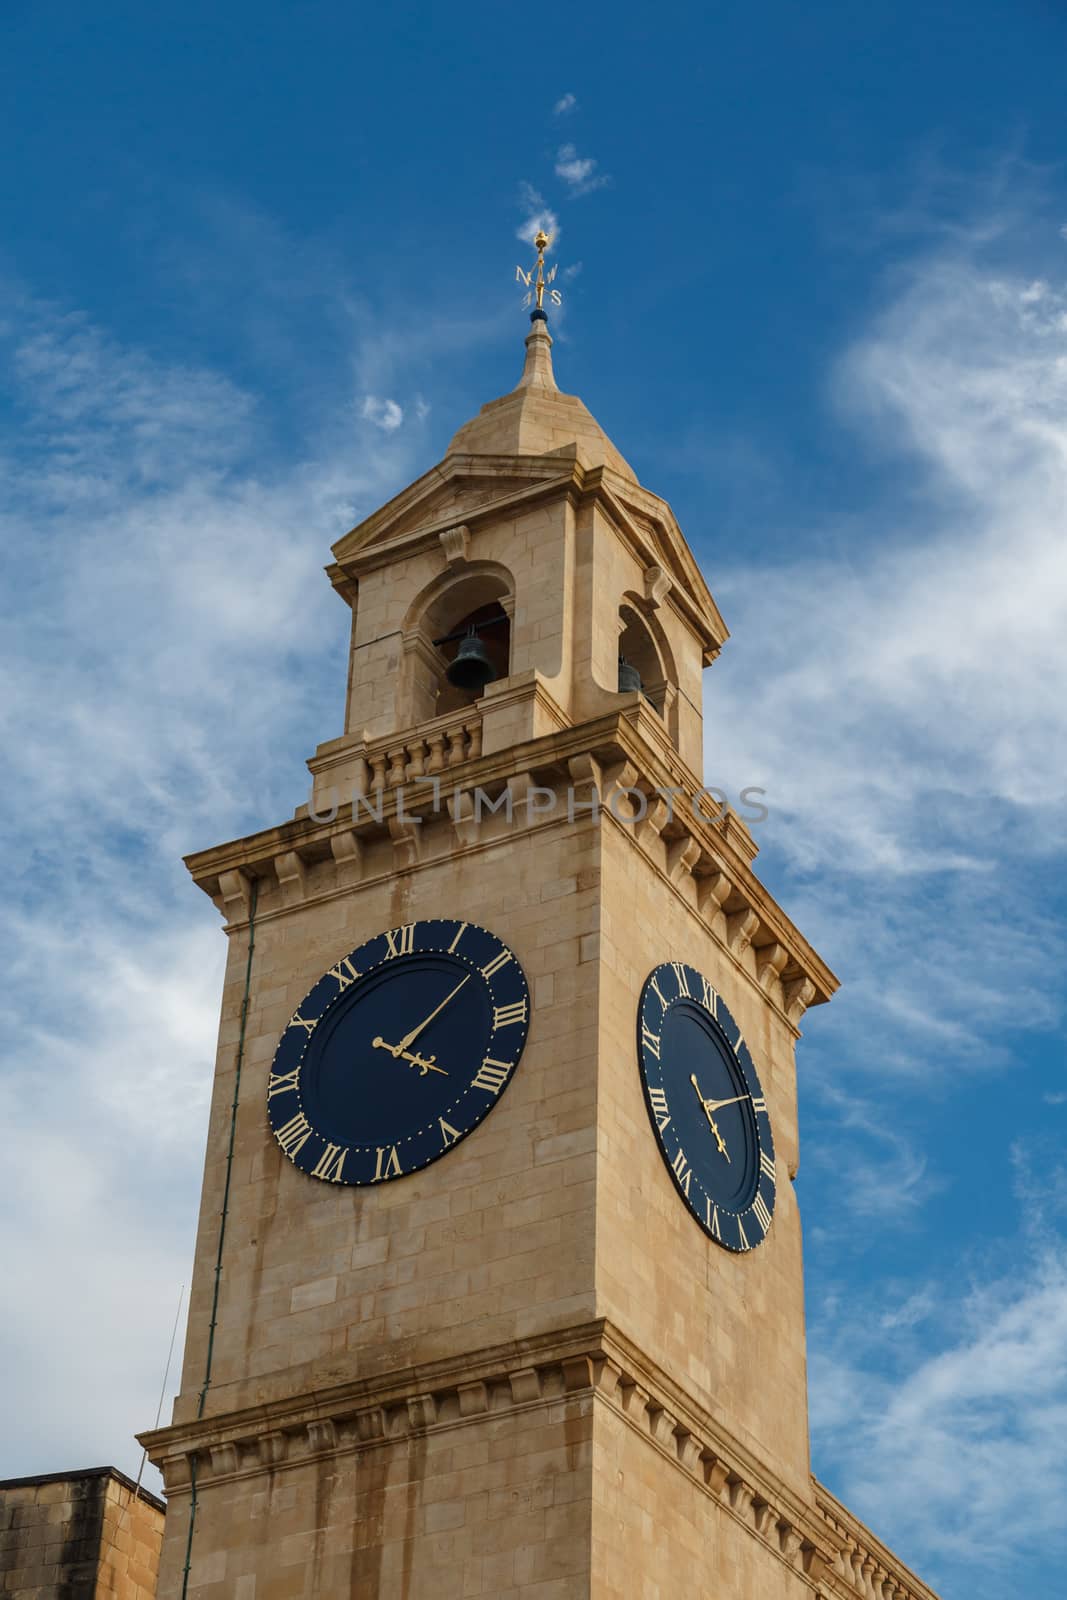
{"type": "Point", "coordinates": [257, 267]}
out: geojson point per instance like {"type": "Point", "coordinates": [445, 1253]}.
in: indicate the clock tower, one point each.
{"type": "Point", "coordinates": [498, 1285]}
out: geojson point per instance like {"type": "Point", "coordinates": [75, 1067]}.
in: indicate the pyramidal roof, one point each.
{"type": "Point", "coordinates": [535, 418]}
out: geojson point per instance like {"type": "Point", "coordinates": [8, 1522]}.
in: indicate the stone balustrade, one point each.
{"type": "Point", "coordinates": [862, 1565]}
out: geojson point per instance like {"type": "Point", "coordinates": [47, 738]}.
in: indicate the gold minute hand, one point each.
{"type": "Point", "coordinates": [409, 1038]}
{"type": "Point", "coordinates": [717, 1105]}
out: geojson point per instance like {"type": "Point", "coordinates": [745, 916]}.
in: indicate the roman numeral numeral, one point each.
{"type": "Point", "coordinates": [709, 998]}
{"type": "Point", "coordinates": [401, 941]}
{"type": "Point", "coordinates": [658, 1101]}
{"type": "Point", "coordinates": [331, 1163]}
{"type": "Point", "coordinates": [743, 1236]}
{"type": "Point", "coordinates": [682, 1170]}
{"type": "Point", "coordinates": [389, 1167]}
{"type": "Point", "coordinates": [766, 1166]}
{"type": "Point", "coordinates": [309, 1024]}
{"type": "Point", "coordinates": [497, 962]}
{"type": "Point", "coordinates": [654, 983]}
{"type": "Point", "coordinates": [759, 1104]}
{"type": "Point", "coordinates": [294, 1136]}
{"type": "Point", "coordinates": [682, 979]}
{"type": "Point", "coordinates": [711, 1213]}
{"type": "Point", "coordinates": [280, 1082]}
{"type": "Point", "coordinates": [460, 931]}
{"type": "Point", "coordinates": [344, 972]}
{"type": "Point", "coordinates": [650, 1040]}
{"type": "Point", "coordinates": [492, 1075]}
{"type": "Point", "coordinates": [504, 1016]}
{"type": "Point", "coordinates": [448, 1133]}
{"type": "Point", "coordinates": [763, 1216]}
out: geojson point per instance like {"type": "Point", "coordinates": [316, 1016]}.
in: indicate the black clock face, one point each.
{"type": "Point", "coordinates": [398, 1052]}
{"type": "Point", "coordinates": [706, 1105]}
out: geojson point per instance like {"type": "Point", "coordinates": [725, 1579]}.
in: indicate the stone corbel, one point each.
{"type": "Point", "coordinates": [461, 810]}
{"type": "Point", "coordinates": [322, 1435]}
{"type": "Point", "coordinates": [654, 821]}
{"type": "Point", "coordinates": [713, 889]}
{"type": "Point", "coordinates": [422, 1411]}
{"type": "Point", "coordinates": [223, 1458]}
{"type": "Point", "coordinates": [587, 779]}
{"type": "Point", "coordinates": [658, 585]}
{"type": "Point", "coordinates": [346, 849]}
{"type": "Point", "coordinates": [525, 1385]}
{"type": "Point", "coordinates": [272, 1447]}
{"type": "Point", "coordinates": [741, 1496]}
{"type": "Point", "coordinates": [682, 857]}
{"type": "Point", "coordinates": [740, 926]}
{"type": "Point", "coordinates": [473, 1398]}
{"type": "Point", "coordinates": [798, 994]}
{"type": "Point", "coordinates": [455, 542]}
{"type": "Point", "coordinates": [292, 875]}
{"type": "Point", "coordinates": [763, 1515]}
{"type": "Point", "coordinates": [405, 833]}
{"type": "Point", "coordinates": [235, 892]}
{"type": "Point", "coordinates": [770, 959]}
{"type": "Point", "coordinates": [715, 1472]}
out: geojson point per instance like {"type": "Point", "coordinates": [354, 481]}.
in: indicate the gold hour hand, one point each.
{"type": "Point", "coordinates": [713, 1125]}
{"type": "Point", "coordinates": [397, 1051]}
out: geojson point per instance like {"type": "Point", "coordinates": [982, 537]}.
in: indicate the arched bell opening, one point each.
{"type": "Point", "coordinates": [476, 652]}
{"type": "Point", "coordinates": [457, 640]}
{"type": "Point", "coordinates": [640, 665]}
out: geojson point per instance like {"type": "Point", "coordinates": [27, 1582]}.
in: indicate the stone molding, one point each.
{"type": "Point", "coordinates": [585, 1367]}
{"type": "Point", "coordinates": [315, 858]}
{"type": "Point", "coordinates": [863, 1565]}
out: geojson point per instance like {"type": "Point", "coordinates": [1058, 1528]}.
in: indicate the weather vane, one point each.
{"type": "Point", "coordinates": [537, 280]}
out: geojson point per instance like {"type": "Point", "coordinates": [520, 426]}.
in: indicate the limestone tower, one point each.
{"type": "Point", "coordinates": [498, 1285]}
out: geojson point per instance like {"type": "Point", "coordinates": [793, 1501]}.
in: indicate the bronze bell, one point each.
{"type": "Point", "coordinates": [629, 677]}
{"type": "Point", "coordinates": [471, 668]}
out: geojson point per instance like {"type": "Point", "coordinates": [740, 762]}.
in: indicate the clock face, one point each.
{"type": "Point", "coordinates": [398, 1052]}
{"type": "Point", "coordinates": [706, 1105]}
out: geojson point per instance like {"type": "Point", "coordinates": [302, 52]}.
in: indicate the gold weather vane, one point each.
{"type": "Point", "coordinates": [537, 280]}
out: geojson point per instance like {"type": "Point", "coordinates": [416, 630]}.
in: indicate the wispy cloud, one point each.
{"type": "Point", "coordinates": [158, 545]}
{"type": "Point", "coordinates": [538, 215]}
{"type": "Point", "coordinates": [566, 102]}
{"type": "Point", "coordinates": [385, 414]}
{"type": "Point", "coordinates": [952, 1446]}
{"type": "Point", "coordinates": [579, 173]}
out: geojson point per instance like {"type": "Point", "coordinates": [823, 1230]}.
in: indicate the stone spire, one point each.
{"type": "Point", "coordinates": [537, 373]}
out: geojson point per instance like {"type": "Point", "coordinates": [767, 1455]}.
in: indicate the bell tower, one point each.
{"type": "Point", "coordinates": [522, 1366]}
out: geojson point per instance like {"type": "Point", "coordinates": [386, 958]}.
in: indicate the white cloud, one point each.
{"type": "Point", "coordinates": [953, 1455]}
{"type": "Point", "coordinates": [565, 103]}
{"type": "Point", "coordinates": [578, 172]}
{"type": "Point", "coordinates": [385, 414]}
{"type": "Point", "coordinates": [171, 651]}
{"type": "Point", "coordinates": [539, 216]}
{"type": "Point", "coordinates": [906, 707]}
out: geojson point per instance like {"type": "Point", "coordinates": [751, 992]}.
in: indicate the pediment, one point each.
{"type": "Point", "coordinates": [447, 495]}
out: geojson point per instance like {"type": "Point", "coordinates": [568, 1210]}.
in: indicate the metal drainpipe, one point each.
{"type": "Point", "coordinates": [222, 1227]}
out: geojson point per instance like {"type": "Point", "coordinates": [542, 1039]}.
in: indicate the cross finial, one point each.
{"type": "Point", "coordinates": [537, 280]}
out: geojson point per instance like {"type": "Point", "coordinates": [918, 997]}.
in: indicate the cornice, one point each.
{"type": "Point", "coordinates": [603, 755]}
{"type": "Point", "coordinates": [589, 1366]}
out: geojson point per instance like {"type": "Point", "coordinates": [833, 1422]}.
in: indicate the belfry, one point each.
{"type": "Point", "coordinates": [498, 1287]}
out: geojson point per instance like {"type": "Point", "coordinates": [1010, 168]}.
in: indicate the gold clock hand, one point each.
{"type": "Point", "coordinates": [414, 1034]}
{"type": "Point", "coordinates": [398, 1053]}
{"type": "Point", "coordinates": [717, 1105]}
{"type": "Point", "coordinates": [719, 1140]}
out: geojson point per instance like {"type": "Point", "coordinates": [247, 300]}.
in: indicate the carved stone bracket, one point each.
{"type": "Point", "coordinates": [658, 585]}
{"type": "Point", "coordinates": [740, 926]}
{"type": "Point", "coordinates": [798, 994]}
{"type": "Point", "coordinates": [456, 542]}
{"type": "Point", "coordinates": [291, 875]}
